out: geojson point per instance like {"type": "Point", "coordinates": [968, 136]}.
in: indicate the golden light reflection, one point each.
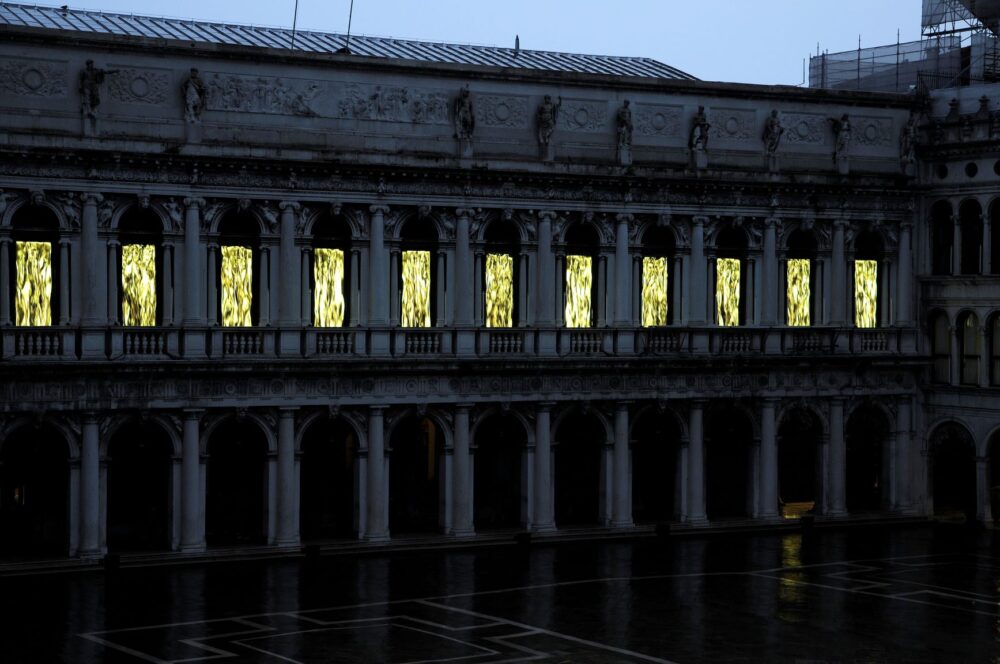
{"type": "Point", "coordinates": [328, 297]}
{"type": "Point", "coordinates": [866, 293]}
{"type": "Point", "coordinates": [790, 593]}
{"type": "Point", "coordinates": [727, 291]}
{"type": "Point", "coordinates": [139, 285]}
{"type": "Point", "coordinates": [237, 286]}
{"type": "Point", "coordinates": [416, 294]}
{"type": "Point", "coordinates": [579, 280]}
{"type": "Point", "coordinates": [798, 294]}
{"type": "Point", "coordinates": [654, 292]}
{"type": "Point", "coordinates": [33, 300]}
{"type": "Point", "coordinates": [499, 290]}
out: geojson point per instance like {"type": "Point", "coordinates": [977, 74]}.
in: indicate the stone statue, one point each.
{"type": "Point", "coordinates": [772, 133]}
{"type": "Point", "coordinates": [547, 114]}
{"type": "Point", "coordinates": [842, 134]}
{"type": "Point", "coordinates": [195, 94]}
{"type": "Point", "coordinates": [698, 139]}
{"type": "Point", "coordinates": [91, 79]}
{"type": "Point", "coordinates": [908, 143]}
{"type": "Point", "coordinates": [624, 127]}
{"type": "Point", "coordinates": [465, 120]}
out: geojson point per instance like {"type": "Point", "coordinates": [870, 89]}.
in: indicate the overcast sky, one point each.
{"type": "Point", "coordinates": [749, 41]}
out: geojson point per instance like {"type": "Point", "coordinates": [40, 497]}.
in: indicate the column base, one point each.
{"type": "Point", "coordinates": [623, 524]}
{"type": "Point", "coordinates": [288, 543]}
{"type": "Point", "coordinates": [377, 537]}
{"type": "Point", "coordinates": [463, 533]}
{"type": "Point", "coordinates": [836, 514]}
{"type": "Point", "coordinates": [544, 528]}
{"type": "Point", "coordinates": [696, 522]}
{"type": "Point", "coordinates": [192, 548]}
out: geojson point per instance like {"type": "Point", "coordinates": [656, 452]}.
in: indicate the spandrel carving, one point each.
{"type": "Point", "coordinates": [262, 95]}
{"type": "Point", "coordinates": [138, 86]}
{"type": "Point", "coordinates": [393, 104]}
{"type": "Point", "coordinates": [30, 78]}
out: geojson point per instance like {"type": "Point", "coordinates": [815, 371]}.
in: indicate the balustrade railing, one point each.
{"type": "Point", "coordinates": [144, 342]}
{"type": "Point", "coordinates": [40, 342]}
{"type": "Point", "coordinates": [340, 342]}
{"type": "Point", "coordinates": [246, 342]}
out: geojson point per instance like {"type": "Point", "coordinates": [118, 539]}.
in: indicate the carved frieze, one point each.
{"type": "Point", "coordinates": [138, 86]}
{"type": "Point", "coordinates": [658, 120]}
{"type": "Point", "coordinates": [393, 104]}
{"type": "Point", "coordinates": [33, 78]}
{"type": "Point", "coordinates": [872, 132]}
{"type": "Point", "coordinates": [805, 128]}
{"type": "Point", "coordinates": [259, 94]}
{"type": "Point", "coordinates": [733, 124]}
{"type": "Point", "coordinates": [581, 115]}
{"type": "Point", "coordinates": [502, 111]}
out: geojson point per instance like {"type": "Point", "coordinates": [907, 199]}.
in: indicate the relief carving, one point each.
{"type": "Point", "coordinates": [872, 132]}
{"type": "Point", "coordinates": [32, 78]}
{"type": "Point", "coordinates": [732, 124]}
{"type": "Point", "coordinates": [261, 95]}
{"type": "Point", "coordinates": [393, 104]}
{"type": "Point", "coordinates": [658, 120]}
{"type": "Point", "coordinates": [805, 129]}
{"type": "Point", "coordinates": [584, 116]}
{"type": "Point", "coordinates": [497, 111]}
{"type": "Point", "coordinates": [139, 86]}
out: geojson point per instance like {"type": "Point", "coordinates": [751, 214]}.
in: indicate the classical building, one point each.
{"type": "Point", "coordinates": [265, 288]}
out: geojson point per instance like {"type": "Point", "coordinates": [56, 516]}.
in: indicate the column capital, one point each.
{"type": "Point", "coordinates": [114, 242]}
{"type": "Point", "coordinates": [907, 224]}
{"type": "Point", "coordinates": [379, 209]}
{"type": "Point", "coordinates": [772, 222]}
{"type": "Point", "coordinates": [193, 413]}
{"type": "Point", "coordinates": [89, 417]}
{"type": "Point", "coordinates": [294, 206]}
{"type": "Point", "coordinates": [699, 220]}
{"type": "Point", "coordinates": [547, 215]}
{"type": "Point", "coordinates": [545, 406]}
{"type": "Point", "coordinates": [623, 404]}
{"type": "Point", "coordinates": [378, 408]}
{"type": "Point", "coordinates": [91, 198]}
{"type": "Point", "coordinates": [625, 217]}
{"type": "Point", "coordinates": [771, 401]}
{"type": "Point", "coordinates": [840, 223]}
{"type": "Point", "coordinates": [288, 411]}
{"type": "Point", "coordinates": [465, 212]}
{"type": "Point", "coordinates": [194, 203]}
{"type": "Point", "coordinates": [464, 407]}
{"type": "Point", "coordinates": [698, 403]}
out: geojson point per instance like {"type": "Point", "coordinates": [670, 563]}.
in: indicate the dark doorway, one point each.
{"type": "Point", "coordinates": [867, 435]}
{"type": "Point", "coordinates": [953, 472]}
{"type": "Point", "coordinates": [34, 493]}
{"type": "Point", "coordinates": [236, 507]}
{"type": "Point", "coordinates": [655, 449]}
{"type": "Point", "coordinates": [994, 475]}
{"type": "Point", "coordinates": [415, 476]}
{"type": "Point", "coordinates": [799, 438]}
{"type": "Point", "coordinates": [729, 441]}
{"type": "Point", "coordinates": [327, 500]}
{"type": "Point", "coordinates": [139, 460]}
{"type": "Point", "coordinates": [580, 442]}
{"type": "Point", "coordinates": [500, 441]}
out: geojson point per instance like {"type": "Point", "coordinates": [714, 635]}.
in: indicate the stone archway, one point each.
{"type": "Point", "coordinates": [799, 439]}
{"type": "Point", "coordinates": [953, 472]}
{"type": "Point", "coordinates": [237, 478]}
{"type": "Point", "coordinates": [729, 444]}
{"type": "Point", "coordinates": [867, 437]}
{"type": "Point", "coordinates": [577, 459]}
{"type": "Point", "coordinates": [327, 501]}
{"type": "Point", "coordinates": [655, 464]}
{"type": "Point", "coordinates": [416, 476]}
{"type": "Point", "coordinates": [500, 443]}
{"type": "Point", "coordinates": [139, 465]}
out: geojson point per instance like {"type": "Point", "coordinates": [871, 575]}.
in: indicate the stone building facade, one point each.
{"type": "Point", "coordinates": [251, 293]}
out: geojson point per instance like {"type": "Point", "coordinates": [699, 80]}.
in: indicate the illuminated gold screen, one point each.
{"type": "Point", "coordinates": [237, 286]}
{"type": "Point", "coordinates": [654, 292]}
{"type": "Point", "coordinates": [138, 285]}
{"type": "Point", "coordinates": [328, 273]}
{"type": "Point", "coordinates": [416, 289]}
{"type": "Point", "coordinates": [727, 291]}
{"type": "Point", "coordinates": [798, 292]}
{"type": "Point", "coordinates": [33, 300]}
{"type": "Point", "coordinates": [865, 293]}
{"type": "Point", "coordinates": [499, 290]}
{"type": "Point", "coordinates": [579, 279]}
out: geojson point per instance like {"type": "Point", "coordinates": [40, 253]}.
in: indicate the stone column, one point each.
{"type": "Point", "coordinates": [91, 306]}
{"type": "Point", "coordinates": [440, 313]}
{"type": "Point", "coordinates": [167, 252]}
{"type": "Point", "coordinates": [836, 475]}
{"type": "Point", "coordinates": [192, 507]}
{"type": "Point", "coordinates": [522, 290]}
{"type": "Point", "coordinates": [985, 358]}
{"type": "Point", "coordinates": [5, 243]}
{"type": "Point", "coordinates": [63, 281]}
{"type": "Point", "coordinates": [904, 304]}
{"type": "Point", "coordinates": [264, 281]}
{"type": "Point", "coordinates": [769, 279]}
{"type": "Point", "coordinates": [901, 491]}
{"type": "Point", "coordinates": [288, 521]}
{"type": "Point", "coordinates": [289, 276]}
{"type": "Point", "coordinates": [636, 319]}
{"type": "Point", "coordinates": [354, 302]}
{"type": "Point", "coordinates": [696, 465]}
{"type": "Point", "coordinates": [113, 278]}
{"type": "Point", "coordinates": [463, 271]}
{"type": "Point", "coordinates": [838, 267]}
{"type": "Point", "coordinates": [623, 273]}
{"type": "Point", "coordinates": [378, 288]}
{"type": "Point", "coordinates": [90, 487]}
{"type": "Point", "coordinates": [956, 358]}
{"type": "Point", "coordinates": [675, 283]}
{"type": "Point", "coordinates": [599, 305]}
{"type": "Point", "coordinates": [984, 510]}
{"type": "Point", "coordinates": [697, 291]}
{"type": "Point", "coordinates": [622, 486]}
{"type": "Point", "coordinates": [987, 261]}
{"type": "Point", "coordinates": [767, 487]}
{"type": "Point", "coordinates": [378, 530]}
{"type": "Point", "coordinates": [956, 246]}
{"type": "Point", "coordinates": [544, 520]}
{"type": "Point", "coordinates": [462, 514]}
{"type": "Point", "coordinates": [395, 266]}
{"type": "Point", "coordinates": [194, 312]}
{"type": "Point", "coordinates": [213, 290]}
{"type": "Point", "coordinates": [478, 288]}
{"type": "Point", "coordinates": [544, 295]}
{"type": "Point", "coordinates": [305, 291]}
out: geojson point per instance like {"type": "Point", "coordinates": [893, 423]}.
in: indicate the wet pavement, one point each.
{"type": "Point", "coordinates": [913, 595]}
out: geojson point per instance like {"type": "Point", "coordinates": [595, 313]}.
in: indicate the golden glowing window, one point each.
{"type": "Point", "coordinates": [499, 290]}
{"type": "Point", "coordinates": [138, 285]}
{"type": "Point", "coordinates": [579, 280]}
{"type": "Point", "coordinates": [798, 292]}
{"type": "Point", "coordinates": [33, 300]}
{"type": "Point", "coordinates": [328, 274]}
{"type": "Point", "coordinates": [237, 286]}
{"type": "Point", "coordinates": [416, 296]}
{"type": "Point", "coordinates": [654, 292]}
{"type": "Point", "coordinates": [866, 293]}
{"type": "Point", "coordinates": [727, 291]}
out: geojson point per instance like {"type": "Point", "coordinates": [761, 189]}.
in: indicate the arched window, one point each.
{"type": "Point", "coordinates": [35, 268]}
{"type": "Point", "coordinates": [658, 250]}
{"type": "Point", "coordinates": [242, 269]}
{"type": "Point", "coordinates": [994, 247]}
{"type": "Point", "coordinates": [940, 347]}
{"type": "Point", "coordinates": [993, 338]}
{"type": "Point", "coordinates": [501, 281]}
{"type": "Point", "coordinates": [868, 279]}
{"type": "Point", "coordinates": [942, 236]}
{"type": "Point", "coordinates": [582, 255]}
{"type": "Point", "coordinates": [730, 282]}
{"type": "Point", "coordinates": [331, 273]}
{"type": "Point", "coordinates": [141, 261]}
{"type": "Point", "coordinates": [969, 349]}
{"type": "Point", "coordinates": [418, 276]}
{"type": "Point", "coordinates": [800, 279]}
{"type": "Point", "coordinates": [970, 216]}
